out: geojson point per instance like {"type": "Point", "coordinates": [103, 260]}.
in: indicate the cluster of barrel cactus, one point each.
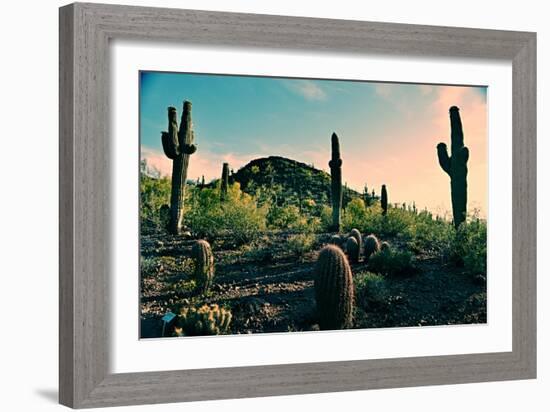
{"type": "Point", "coordinates": [201, 253]}
{"type": "Point", "coordinates": [205, 320]}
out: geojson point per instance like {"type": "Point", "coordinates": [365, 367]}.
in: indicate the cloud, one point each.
{"type": "Point", "coordinates": [308, 89]}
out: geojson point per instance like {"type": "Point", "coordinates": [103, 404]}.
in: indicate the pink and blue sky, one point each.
{"type": "Point", "coordinates": [388, 131]}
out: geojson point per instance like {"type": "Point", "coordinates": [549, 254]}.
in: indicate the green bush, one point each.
{"type": "Point", "coordinates": [283, 217]}
{"type": "Point", "coordinates": [288, 218]}
{"type": "Point", "coordinates": [370, 290]}
{"type": "Point", "coordinates": [153, 194]}
{"type": "Point", "coordinates": [238, 216]}
{"type": "Point", "coordinates": [298, 245]}
{"type": "Point", "coordinates": [470, 245]}
{"type": "Point", "coordinates": [260, 250]}
{"type": "Point", "coordinates": [431, 236]}
{"type": "Point", "coordinates": [392, 262]}
{"type": "Point", "coordinates": [355, 215]}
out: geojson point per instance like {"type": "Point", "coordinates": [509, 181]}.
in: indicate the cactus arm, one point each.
{"type": "Point", "coordinates": [444, 159]}
{"type": "Point", "coordinates": [167, 145]}
{"type": "Point", "coordinates": [457, 135]}
{"type": "Point", "coordinates": [465, 154]}
{"type": "Point", "coordinates": [188, 149]}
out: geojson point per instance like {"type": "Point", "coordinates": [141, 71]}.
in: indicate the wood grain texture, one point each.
{"type": "Point", "coordinates": [85, 31]}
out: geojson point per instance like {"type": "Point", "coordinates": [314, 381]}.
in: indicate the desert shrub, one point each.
{"type": "Point", "coordinates": [238, 216]}
{"type": "Point", "coordinates": [298, 245]}
{"type": "Point", "coordinates": [470, 245]}
{"type": "Point", "coordinates": [392, 262]}
{"type": "Point", "coordinates": [205, 320]}
{"type": "Point", "coordinates": [148, 266]}
{"type": "Point", "coordinates": [370, 219]}
{"type": "Point", "coordinates": [370, 290]}
{"type": "Point", "coordinates": [325, 218]}
{"type": "Point", "coordinates": [153, 194]}
{"type": "Point", "coordinates": [260, 250]}
{"type": "Point", "coordinates": [432, 236]}
{"type": "Point", "coordinates": [183, 286]}
{"type": "Point", "coordinates": [355, 215]}
{"type": "Point", "coordinates": [289, 218]}
{"type": "Point", "coordinates": [283, 217]}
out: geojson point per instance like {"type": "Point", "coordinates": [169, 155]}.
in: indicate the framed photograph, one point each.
{"type": "Point", "coordinates": [256, 205]}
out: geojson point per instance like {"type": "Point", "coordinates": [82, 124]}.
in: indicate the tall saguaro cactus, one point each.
{"type": "Point", "coordinates": [335, 165]}
{"type": "Point", "coordinates": [456, 167]}
{"type": "Point", "coordinates": [384, 200]}
{"type": "Point", "coordinates": [178, 146]}
{"type": "Point", "coordinates": [225, 181]}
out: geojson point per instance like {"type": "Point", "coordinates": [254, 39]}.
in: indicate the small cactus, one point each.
{"type": "Point", "coordinates": [206, 320]}
{"type": "Point", "coordinates": [201, 252]}
{"type": "Point", "coordinates": [333, 289]}
{"type": "Point", "coordinates": [225, 181]}
{"type": "Point", "coordinates": [372, 245]}
{"type": "Point", "coordinates": [336, 240]}
{"type": "Point", "coordinates": [384, 200]}
{"type": "Point", "coordinates": [352, 249]}
{"type": "Point", "coordinates": [335, 165]}
{"type": "Point", "coordinates": [357, 235]}
{"type": "Point", "coordinates": [384, 246]}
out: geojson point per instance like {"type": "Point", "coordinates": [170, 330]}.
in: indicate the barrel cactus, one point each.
{"type": "Point", "coordinates": [384, 200]}
{"type": "Point", "coordinates": [352, 249]}
{"type": "Point", "coordinates": [201, 253]}
{"type": "Point", "coordinates": [384, 246]}
{"type": "Point", "coordinates": [456, 167]}
{"type": "Point", "coordinates": [178, 146]}
{"type": "Point", "coordinates": [372, 245]}
{"type": "Point", "coordinates": [335, 165]}
{"type": "Point", "coordinates": [336, 240]}
{"type": "Point", "coordinates": [333, 289]}
{"type": "Point", "coordinates": [357, 235]}
{"type": "Point", "coordinates": [225, 181]}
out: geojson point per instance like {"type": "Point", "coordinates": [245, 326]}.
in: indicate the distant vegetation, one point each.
{"type": "Point", "coordinates": [244, 217]}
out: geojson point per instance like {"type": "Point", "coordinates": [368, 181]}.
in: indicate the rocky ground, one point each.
{"type": "Point", "coordinates": [269, 289]}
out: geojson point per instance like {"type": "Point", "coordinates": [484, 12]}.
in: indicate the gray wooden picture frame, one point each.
{"type": "Point", "coordinates": [85, 32]}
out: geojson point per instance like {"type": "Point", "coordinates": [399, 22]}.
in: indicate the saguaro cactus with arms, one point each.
{"type": "Point", "coordinates": [456, 167]}
{"type": "Point", "coordinates": [178, 146]}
